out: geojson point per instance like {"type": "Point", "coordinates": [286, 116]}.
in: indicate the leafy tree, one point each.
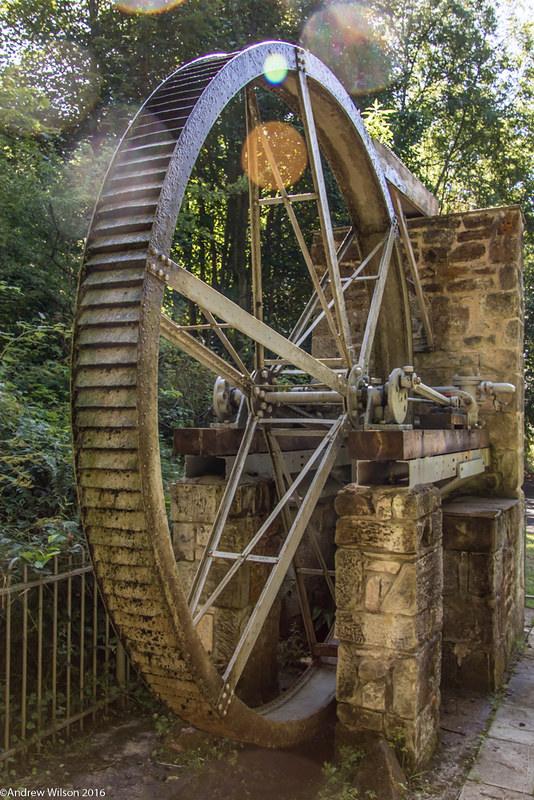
{"type": "Point", "coordinates": [457, 108]}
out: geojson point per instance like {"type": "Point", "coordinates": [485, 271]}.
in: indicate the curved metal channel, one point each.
{"type": "Point", "coordinates": [114, 387]}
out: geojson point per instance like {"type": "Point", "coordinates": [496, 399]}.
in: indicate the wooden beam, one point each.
{"type": "Point", "coordinates": [416, 199]}
{"type": "Point", "coordinates": [225, 442]}
{"type": "Point", "coordinates": [402, 445]}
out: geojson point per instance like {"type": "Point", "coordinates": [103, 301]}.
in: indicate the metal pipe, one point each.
{"type": "Point", "coordinates": [81, 689]}
{"type": "Point", "coordinates": [39, 663]}
{"type": "Point", "coordinates": [303, 398]}
{"type": "Point", "coordinates": [431, 394]}
{"type": "Point", "coordinates": [490, 387]}
{"type": "Point", "coordinates": [54, 643]}
{"type": "Point", "coordinates": [293, 198]}
{"type": "Point", "coordinates": [69, 645]}
{"type": "Point", "coordinates": [95, 643]}
{"type": "Point", "coordinates": [7, 685]}
{"type": "Point", "coordinates": [24, 687]}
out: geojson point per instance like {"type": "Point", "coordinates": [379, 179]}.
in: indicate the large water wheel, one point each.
{"type": "Point", "coordinates": [286, 389]}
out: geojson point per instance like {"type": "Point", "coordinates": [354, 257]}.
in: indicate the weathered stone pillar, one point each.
{"type": "Point", "coordinates": [389, 614]}
{"type": "Point", "coordinates": [483, 591]}
{"type": "Point", "coordinates": [194, 504]}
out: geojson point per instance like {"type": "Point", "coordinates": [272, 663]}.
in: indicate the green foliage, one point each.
{"type": "Point", "coordinates": [378, 122]}
{"type": "Point", "coordinates": [457, 108]}
{"type": "Point", "coordinates": [340, 777]}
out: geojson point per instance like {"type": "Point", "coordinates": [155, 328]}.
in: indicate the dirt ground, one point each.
{"type": "Point", "coordinates": [140, 756]}
{"type": "Point", "coordinates": [135, 754]}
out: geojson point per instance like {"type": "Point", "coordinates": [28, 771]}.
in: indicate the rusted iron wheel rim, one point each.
{"type": "Point", "coordinates": [115, 358]}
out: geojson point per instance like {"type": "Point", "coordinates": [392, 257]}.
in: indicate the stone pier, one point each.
{"type": "Point", "coordinates": [389, 569]}
{"type": "Point", "coordinates": [389, 615]}
{"type": "Point", "coordinates": [483, 595]}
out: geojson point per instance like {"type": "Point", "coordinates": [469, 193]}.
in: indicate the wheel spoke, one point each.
{"type": "Point", "coordinates": [274, 581]}
{"type": "Point", "coordinates": [330, 436]}
{"type": "Point", "coordinates": [313, 301]}
{"type": "Point", "coordinates": [294, 222]}
{"type": "Point", "coordinates": [376, 301]}
{"type": "Point", "coordinates": [207, 297]}
{"type": "Point", "coordinates": [223, 338]}
{"type": "Point", "coordinates": [254, 212]}
{"type": "Point", "coordinates": [286, 480]}
{"type": "Point", "coordinates": [325, 220]}
{"type": "Point", "coordinates": [277, 460]}
{"type": "Point", "coordinates": [221, 518]}
{"type": "Point", "coordinates": [413, 269]}
{"type": "Point", "coordinates": [355, 276]}
{"type": "Point", "coordinates": [174, 334]}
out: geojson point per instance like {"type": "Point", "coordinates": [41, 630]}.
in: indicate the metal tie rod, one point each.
{"type": "Point", "coordinates": [293, 198]}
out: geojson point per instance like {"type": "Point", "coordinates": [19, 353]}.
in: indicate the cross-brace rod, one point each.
{"type": "Point", "coordinates": [325, 221]}
{"type": "Point", "coordinates": [174, 334]}
{"type": "Point", "coordinates": [206, 296]}
{"type": "Point", "coordinates": [294, 223]}
{"type": "Point", "coordinates": [264, 527]}
{"type": "Point", "coordinates": [257, 619]}
{"type": "Point", "coordinates": [376, 301]}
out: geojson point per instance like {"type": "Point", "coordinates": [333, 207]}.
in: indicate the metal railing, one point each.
{"type": "Point", "coordinates": [61, 660]}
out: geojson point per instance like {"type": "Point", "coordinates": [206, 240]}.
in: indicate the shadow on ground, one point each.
{"type": "Point", "coordinates": [146, 756]}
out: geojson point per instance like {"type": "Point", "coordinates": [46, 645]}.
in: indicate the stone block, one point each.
{"type": "Point", "coordinates": [502, 303]}
{"type": "Point", "coordinates": [236, 594]}
{"type": "Point", "coordinates": [349, 578]}
{"type": "Point", "coordinates": [504, 248]}
{"type": "Point", "coordinates": [476, 219]}
{"type": "Point", "coordinates": [354, 500]}
{"type": "Point", "coordinates": [388, 631]}
{"type": "Point", "coordinates": [386, 503]}
{"type": "Point", "coordinates": [509, 277]}
{"type": "Point", "coordinates": [205, 631]}
{"type": "Point", "coordinates": [471, 251]}
{"type": "Point", "coordinates": [483, 603]}
{"type": "Point", "coordinates": [415, 680]}
{"type": "Point", "coordinates": [414, 740]}
{"type": "Point", "coordinates": [197, 499]}
{"type": "Point", "coordinates": [473, 235]}
{"type": "Point", "coordinates": [470, 533]}
{"type": "Point", "coordinates": [485, 574]}
{"type": "Point", "coordinates": [192, 501]}
{"type": "Point", "coordinates": [229, 624]}
{"type": "Point", "coordinates": [360, 719]}
{"type": "Point", "coordinates": [513, 332]}
{"type": "Point", "coordinates": [374, 695]}
{"type": "Point", "coordinates": [396, 536]}
{"type": "Point", "coordinates": [347, 677]}
{"type": "Point", "coordinates": [467, 618]}
{"type": "Point", "coordinates": [184, 540]}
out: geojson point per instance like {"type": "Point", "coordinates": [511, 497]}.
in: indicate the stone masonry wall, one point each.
{"type": "Point", "coordinates": [389, 614]}
{"type": "Point", "coordinates": [470, 266]}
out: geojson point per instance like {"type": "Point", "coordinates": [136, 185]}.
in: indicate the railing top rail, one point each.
{"type": "Point", "coordinates": [13, 588]}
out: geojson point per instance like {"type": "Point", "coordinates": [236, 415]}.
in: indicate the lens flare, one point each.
{"type": "Point", "coordinates": [146, 6]}
{"type": "Point", "coordinates": [352, 40]}
{"type": "Point", "coordinates": [287, 148]}
{"type": "Point", "coordinates": [275, 68]}
{"type": "Point", "coordinates": [58, 82]}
